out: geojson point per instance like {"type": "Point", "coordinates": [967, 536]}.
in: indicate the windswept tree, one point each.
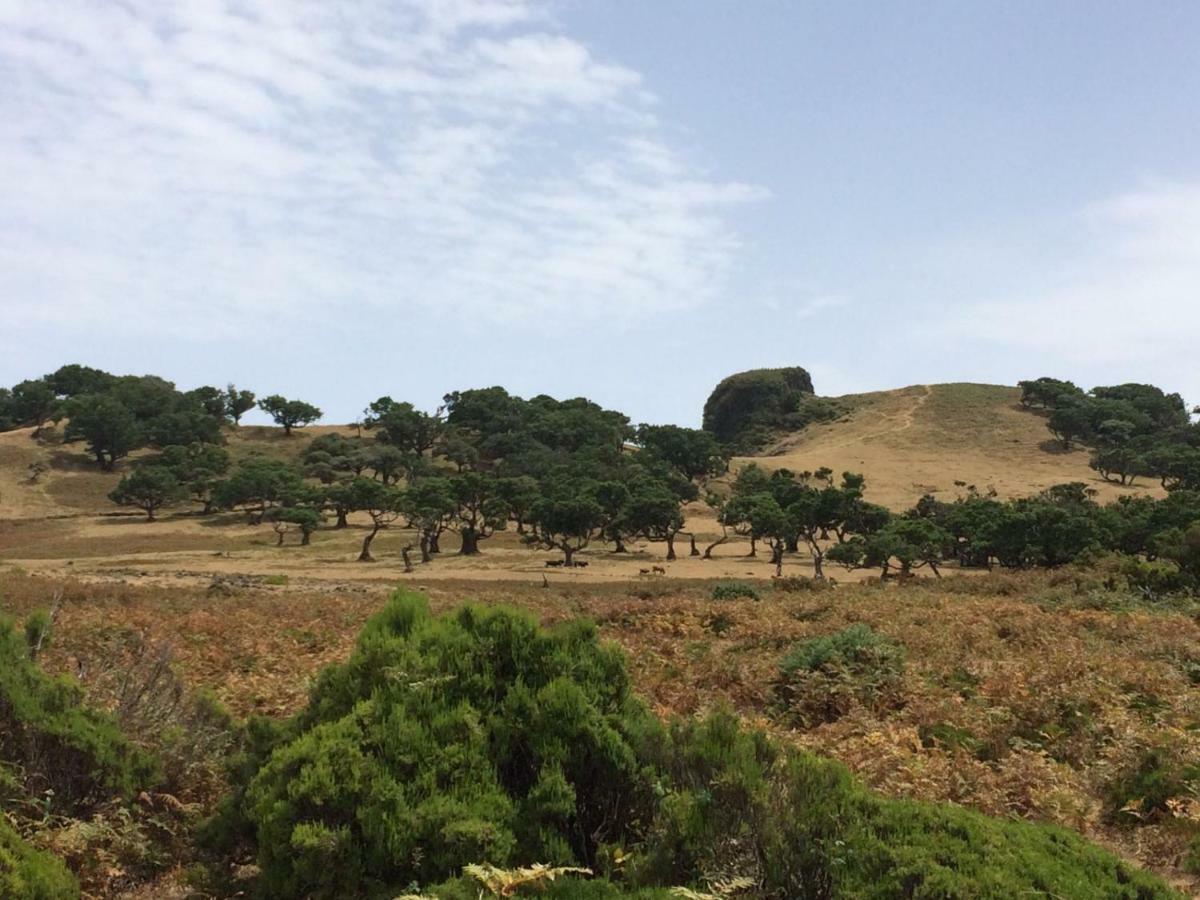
{"type": "Point", "coordinates": [258, 485]}
{"type": "Point", "coordinates": [429, 506]}
{"type": "Point", "coordinates": [403, 426]}
{"type": "Point", "coordinates": [567, 516]}
{"type": "Point", "coordinates": [149, 488]}
{"type": "Point", "coordinates": [306, 520]}
{"type": "Point", "coordinates": [238, 403]}
{"type": "Point", "coordinates": [693, 453]}
{"type": "Point", "coordinates": [107, 426]}
{"type": "Point", "coordinates": [33, 403]}
{"type": "Point", "coordinates": [289, 413]}
{"type": "Point", "coordinates": [198, 467]}
{"type": "Point", "coordinates": [382, 502]}
{"type": "Point", "coordinates": [480, 509]}
{"type": "Point", "coordinates": [652, 511]}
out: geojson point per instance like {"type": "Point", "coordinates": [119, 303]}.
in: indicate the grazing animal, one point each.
{"type": "Point", "coordinates": [658, 570]}
{"type": "Point", "coordinates": [554, 563]}
{"type": "Point", "coordinates": [643, 571]}
{"type": "Point", "coordinates": [582, 564]}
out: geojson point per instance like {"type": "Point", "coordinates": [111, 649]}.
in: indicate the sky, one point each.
{"type": "Point", "coordinates": [619, 199]}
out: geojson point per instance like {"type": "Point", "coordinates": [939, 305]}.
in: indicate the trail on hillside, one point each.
{"type": "Point", "coordinates": [904, 421]}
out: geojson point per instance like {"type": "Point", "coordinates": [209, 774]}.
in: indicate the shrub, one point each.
{"type": "Point", "coordinates": [29, 874]}
{"type": "Point", "coordinates": [443, 742]}
{"type": "Point", "coordinates": [821, 678]}
{"type": "Point", "coordinates": [735, 590]}
{"type": "Point", "coordinates": [59, 744]}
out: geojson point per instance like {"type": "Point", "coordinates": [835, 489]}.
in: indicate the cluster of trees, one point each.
{"type": "Point", "coordinates": [563, 473]}
{"type": "Point", "coordinates": [117, 414]}
{"type": "Point", "coordinates": [1132, 429]}
{"type": "Point", "coordinates": [831, 522]}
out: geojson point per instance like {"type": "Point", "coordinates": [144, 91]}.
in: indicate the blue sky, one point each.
{"type": "Point", "coordinates": [625, 200]}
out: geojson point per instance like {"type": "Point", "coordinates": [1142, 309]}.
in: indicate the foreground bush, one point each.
{"type": "Point", "coordinates": [27, 874]}
{"type": "Point", "coordinates": [823, 677]}
{"type": "Point", "coordinates": [480, 738]}
{"type": "Point", "coordinates": [62, 751]}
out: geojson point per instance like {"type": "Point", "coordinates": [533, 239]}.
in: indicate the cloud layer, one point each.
{"type": "Point", "coordinates": [216, 164]}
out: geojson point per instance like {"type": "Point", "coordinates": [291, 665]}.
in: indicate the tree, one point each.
{"type": "Point", "coordinates": [305, 518]}
{"type": "Point", "coordinates": [209, 400]}
{"type": "Point", "coordinates": [403, 426]}
{"type": "Point", "coordinates": [379, 501]}
{"type": "Point", "coordinates": [32, 403]}
{"type": "Point", "coordinates": [519, 495]}
{"type": "Point", "coordinates": [388, 463]}
{"type": "Point", "coordinates": [289, 413]}
{"type": "Point", "coordinates": [567, 516]}
{"type": "Point", "coordinates": [198, 467]}
{"type": "Point", "coordinates": [73, 380]}
{"type": "Point", "coordinates": [652, 511]}
{"type": "Point", "coordinates": [693, 453]}
{"type": "Point", "coordinates": [1070, 422]}
{"type": "Point", "coordinates": [429, 506]}
{"type": "Point", "coordinates": [911, 543]}
{"type": "Point", "coordinates": [479, 509]}
{"type": "Point", "coordinates": [182, 427]}
{"type": "Point", "coordinates": [149, 488]}
{"type": "Point", "coordinates": [108, 426]}
{"type": "Point", "coordinates": [258, 485]}
{"type": "Point", "coordinates": [238, 403]}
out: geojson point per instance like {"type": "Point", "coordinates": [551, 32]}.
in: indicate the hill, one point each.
{"type": "Point", "coordinates": [924, 438]}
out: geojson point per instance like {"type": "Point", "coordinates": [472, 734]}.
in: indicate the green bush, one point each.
{"type": "Point", "coordinates": [29, 874]}
{"type": "Point", "coordinates": [820, 679]}
{"type": "Point", "coordinates": [735, 590]}
{"type": "Point", "coordinates": [442, 742]}
{"type": "Point", "coordinates": [56, 742]}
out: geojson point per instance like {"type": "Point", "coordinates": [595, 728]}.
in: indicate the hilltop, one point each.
{"type": "Point", "coordinates": [922, 439]}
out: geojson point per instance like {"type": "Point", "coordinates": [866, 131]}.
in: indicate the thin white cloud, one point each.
{"type": "Point", "coordinates": [218, 164]}
{"type": "Point", "coordinates": [1115, 288]}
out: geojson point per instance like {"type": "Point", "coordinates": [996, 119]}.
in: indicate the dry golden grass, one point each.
{"type": "Point", "coordinates": [921, 439]}
{"type": "Point", "coordinates": [1021, 708]}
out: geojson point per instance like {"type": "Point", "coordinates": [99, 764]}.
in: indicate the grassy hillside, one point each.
{"type": "Point", "coordinates": [922, 439]}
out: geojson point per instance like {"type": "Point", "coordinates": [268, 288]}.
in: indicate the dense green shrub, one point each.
{"type": "Point", "coordinates": [441, 742]}
{"type": "Point", "coordinates": [735, 590]}
{"type": "Point", "coordinates": [56, 742]}
{"type": "Point", "coordinates": [821, 678]}
{"type": "Point", "coordinates": [28, 874]}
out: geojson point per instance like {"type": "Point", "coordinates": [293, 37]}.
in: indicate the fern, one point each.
{"type": "Point", "coordinates": [506, 882]}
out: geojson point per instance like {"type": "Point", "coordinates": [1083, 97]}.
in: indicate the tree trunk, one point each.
{"type": "Point", "coordinates": [408, 566]}
{"type": "Point", "coordinates": [150, 514]}
{"type": "Point", "coordinates": [777, 556]}
{"type": "Point", "coordinates": [694, 552]}
{"type": "Point", "coordinates": [279, 540]}
{"type": "Point", "coordinates": [435, 542]}
{"type": "Point", "coordinates": [424, 545]}
{"type": "Point", "coordinates": [717, 543]}
{"type": "Point", "coordinates": [818, 561]}
{"type": "Point", "coordinates": [620, 544]}
{"type": "Point", "coordinates": [366, 556]}
{"type": "Point", "coordinates": [753, 546]}
{"type": "Point", "coordinates": [470, 542]}
{"type": "Point", "coordinates": [341, 518]}
{"type": "Point", "coordinates": [305, 536]}
{"type": "Point", "coordinates": [670, 547]}
{"type": "Point", "coordinates": [793, 544]}
{"type": "Point", "coordinates": [568, 556]}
